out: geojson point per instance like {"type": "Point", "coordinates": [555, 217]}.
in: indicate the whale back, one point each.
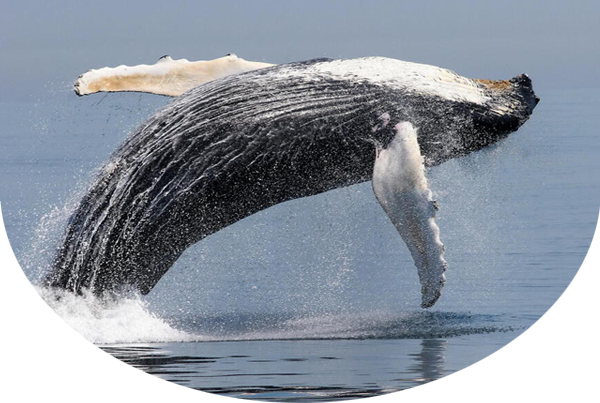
{"type": "Point", "coordinates": [240, 144]}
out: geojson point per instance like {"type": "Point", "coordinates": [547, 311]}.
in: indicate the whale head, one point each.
{"type": "Point", "coordinates": [509, 105]}
{"type": "Point", "coordinates": [462, 128]}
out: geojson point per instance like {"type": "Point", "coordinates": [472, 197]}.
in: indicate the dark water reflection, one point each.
{"type": "Point", "coordinates": [380, 370]}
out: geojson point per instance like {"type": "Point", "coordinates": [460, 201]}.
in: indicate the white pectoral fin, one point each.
{"type": "Point", "coordinates": [165, 77]}
{"type": "Point", "coordinates": [401, 188]}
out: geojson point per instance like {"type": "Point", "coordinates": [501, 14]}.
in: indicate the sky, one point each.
{"type": "Point", "coordinates": [47, 44]}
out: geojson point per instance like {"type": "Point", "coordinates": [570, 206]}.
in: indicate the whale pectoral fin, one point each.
{"type": "Point", "coordinates": [165, 77]}
{"type": "Point", "coordinates": [401, 188]}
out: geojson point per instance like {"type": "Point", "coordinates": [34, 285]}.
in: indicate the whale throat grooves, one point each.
{"type": "Point", "coordinates": [235, 146]}
{"type": "Point", "coordinates": [212, 157]}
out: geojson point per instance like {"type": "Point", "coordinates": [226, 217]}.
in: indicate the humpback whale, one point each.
{"type": "Point", "coordinates": [239, 140]}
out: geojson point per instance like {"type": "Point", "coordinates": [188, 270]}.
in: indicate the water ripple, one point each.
{"type": "Point", "coordinates": [149, 374]}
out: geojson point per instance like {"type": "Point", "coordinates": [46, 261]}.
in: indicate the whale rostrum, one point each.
{"type": "Point", "coordinates": [236, 143]}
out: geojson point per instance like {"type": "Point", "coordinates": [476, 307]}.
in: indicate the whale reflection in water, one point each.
{"type": "Point", "coordinates": [409, 370]}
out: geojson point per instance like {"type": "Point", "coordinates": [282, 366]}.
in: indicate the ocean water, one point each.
{"type": "Point", "coordinates": [318, 298]}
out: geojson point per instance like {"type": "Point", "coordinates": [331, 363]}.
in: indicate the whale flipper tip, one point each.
{"type": "Point", "coordinates": [429, 302]}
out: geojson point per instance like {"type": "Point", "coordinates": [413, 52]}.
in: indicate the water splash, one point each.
{"type": "Point", "coordinates": [105, 321]}
{"type": "Point", "coordinates": [129, 320]}
{"type": "Point", "coordinates": [348, 326]}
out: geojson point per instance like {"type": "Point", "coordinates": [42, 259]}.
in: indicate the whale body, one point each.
{"type": "Point", "coordinates": [242, 143]}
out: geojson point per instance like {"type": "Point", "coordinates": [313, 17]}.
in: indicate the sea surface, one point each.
{"type": "Point", "coordinates": [317, 299]}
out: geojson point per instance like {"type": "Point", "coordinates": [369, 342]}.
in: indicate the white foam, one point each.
{"type": "Point", "coordinates": [129, 321]}
{"type": "Point", "coordinates": [126, 320]}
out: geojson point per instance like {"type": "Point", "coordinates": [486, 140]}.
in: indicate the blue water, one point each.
{"type": "Point", "coordinates": [318, 298]}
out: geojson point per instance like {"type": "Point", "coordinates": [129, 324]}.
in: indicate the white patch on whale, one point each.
{"type": "Point", "coordinates": [166, 77]}
{"type": "Point", "coordinates": [401, 188]}
{"type": "Point", "coordinates": [412, 77]}
{"type": "Point", "coordinates": [174, 77]}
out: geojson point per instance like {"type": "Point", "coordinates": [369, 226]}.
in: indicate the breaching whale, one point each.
{"type": "Point", "coordinates": [236, 142]}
